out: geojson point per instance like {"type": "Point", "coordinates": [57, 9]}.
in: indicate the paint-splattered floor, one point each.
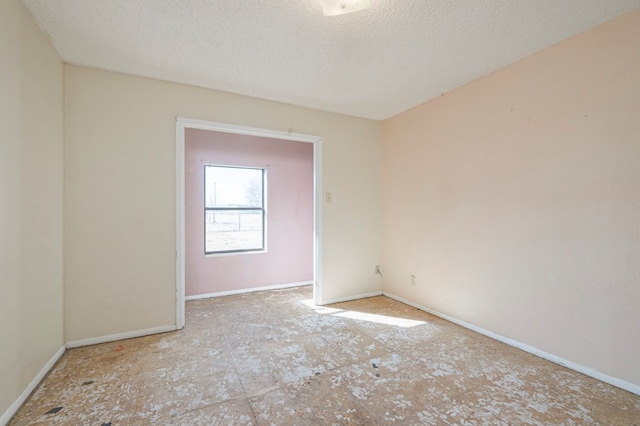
{"type": "Point", "coordinates": [273, 358]}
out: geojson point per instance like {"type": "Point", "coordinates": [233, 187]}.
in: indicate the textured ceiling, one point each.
{"type": "Point", "coordinates": [374, 63]}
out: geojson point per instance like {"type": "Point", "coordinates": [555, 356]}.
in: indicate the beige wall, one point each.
{"type": "Point", "coordinates": [31, 146]}
{"type": "Point", "coordinates": [120, 195]}
{"type": "Point", "coordinates": [515, 200]}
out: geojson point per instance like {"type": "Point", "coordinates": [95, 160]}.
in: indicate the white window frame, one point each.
{"type": "Point", "coordinates": [262, 208]}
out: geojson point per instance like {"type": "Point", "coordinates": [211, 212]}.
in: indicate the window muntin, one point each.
{"type": "Point", "coordinates": [234, 209]}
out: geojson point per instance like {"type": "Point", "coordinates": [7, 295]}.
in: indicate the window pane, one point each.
{"type": "Point", "coordinates": [229, 230]}
{"type": "Point", "coordinates": [232, 187]}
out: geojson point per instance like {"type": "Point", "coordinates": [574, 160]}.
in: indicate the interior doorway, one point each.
{"type": "Point", "coordinates": [182, 124]}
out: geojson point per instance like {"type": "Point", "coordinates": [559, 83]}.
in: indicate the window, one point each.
{"type": "Point", "coordinates": [234, 209]}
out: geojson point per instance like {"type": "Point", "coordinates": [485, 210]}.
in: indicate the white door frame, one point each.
{"type": "Point", "coordinates": [185, 123]}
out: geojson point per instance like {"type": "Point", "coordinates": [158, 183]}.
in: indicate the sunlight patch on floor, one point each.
{"type": "Point", "coordinates": [364, 316]}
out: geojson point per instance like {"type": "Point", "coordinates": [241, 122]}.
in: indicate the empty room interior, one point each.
{"type": "Point", "coordinates": [320, 212]}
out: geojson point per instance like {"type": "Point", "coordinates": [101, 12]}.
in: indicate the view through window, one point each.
{"type": "Point", "coordinates": [234, 209]}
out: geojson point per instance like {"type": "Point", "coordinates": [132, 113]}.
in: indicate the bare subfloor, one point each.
{"type": "Point", "coordinates": [274, 358]}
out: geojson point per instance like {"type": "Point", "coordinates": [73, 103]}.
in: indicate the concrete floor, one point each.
{"type": "Point", "coordinates": [273, 358]}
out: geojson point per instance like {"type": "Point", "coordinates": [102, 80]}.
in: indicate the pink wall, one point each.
{"type": "Point", "coordinates": [289, 255]}
{"type": "Point", "coordinates": [515, 201]}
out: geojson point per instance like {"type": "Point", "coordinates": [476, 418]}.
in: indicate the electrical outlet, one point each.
{"type": "Point", "coordinates": [377, 271]}
{"type": "Point", "coordinates": [413, 280]}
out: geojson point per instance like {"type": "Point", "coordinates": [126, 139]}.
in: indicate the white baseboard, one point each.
{"type": "Point", "coordinates": [247, 290]}
{"type": "Point", "coordinates": [614, 381]}
{"type": "Point", "coordinates": [11, 411]}
{"type": "Point", "coordinates": [120, 336]}
{"type": "Point", "coordinates": [349, 298]}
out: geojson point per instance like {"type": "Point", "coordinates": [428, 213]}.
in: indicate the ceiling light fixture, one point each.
{"type": "Point", "coordinates": [341, 7]}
